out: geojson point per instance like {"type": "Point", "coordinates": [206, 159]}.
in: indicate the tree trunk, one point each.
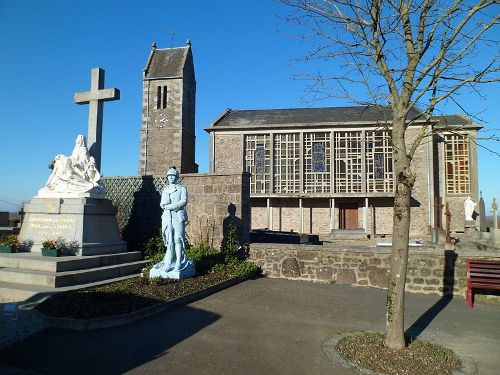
{"type": "Point", "coordinates": [401, 233]}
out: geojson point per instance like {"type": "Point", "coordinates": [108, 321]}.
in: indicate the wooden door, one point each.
{"type": "Point", "coordinates": [348, 216]}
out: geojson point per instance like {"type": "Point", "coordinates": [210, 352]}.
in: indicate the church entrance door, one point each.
{"type": "Point", "coordinates": [348, 216]}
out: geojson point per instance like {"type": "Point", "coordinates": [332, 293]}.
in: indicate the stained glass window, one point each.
{"type": "Point", "coordinates": [457, 164]}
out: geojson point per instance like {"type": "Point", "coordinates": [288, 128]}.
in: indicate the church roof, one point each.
{"type": "Point", "coordinates": [304, 116]}
{"type": "Point", "coordinates": [453, 120]}
{"type": "Point", "coordinates": [166, 62]}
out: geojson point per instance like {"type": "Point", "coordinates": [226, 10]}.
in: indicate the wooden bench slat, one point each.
{"type": "Point", "coordinates": [485, 286]}
{"type": "Point", "coordinates": [492, 275]}
{"type": "Point", "coordinates": [482, 274]}
{"type": "Point", "coordinates": [478, 261]}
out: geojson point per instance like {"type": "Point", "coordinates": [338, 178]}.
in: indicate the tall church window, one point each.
{"type": "Point", "coordinates": [457, 164]}
{"type": "Point", "coordinates": [286, 164]}
{"type": "Point", "coordinates": [379, 163]}
{"type": "Point", "coordinates": [348, 162]}
{"type": "Point", "coordinates": [161, 97]}
{"type": "Point", "coordinates": [258, 162]}
{"type": "Point", "coordinates": [317, 162]}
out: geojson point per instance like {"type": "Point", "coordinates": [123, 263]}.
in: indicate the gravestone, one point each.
{"type": "Point", "coordinates": [494, 240]}
{"type": "Point", "coordinates": [72, 204]}
{"type": "Point", "coordinates": [482, 215]}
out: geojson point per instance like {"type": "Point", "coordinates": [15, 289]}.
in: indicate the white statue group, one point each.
{"type": "Point", "coordinates": [73, 175]}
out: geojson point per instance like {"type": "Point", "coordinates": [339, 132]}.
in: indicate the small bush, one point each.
{"type": "Point", "coordinates": [230, 246]}
{"type": "Point", "coordinates": [153, 246]}
{"type": "Point", "coordinates": [245, 268]}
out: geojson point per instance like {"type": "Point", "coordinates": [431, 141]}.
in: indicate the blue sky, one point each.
{"type": "Point", "coordinates": [243, 55]}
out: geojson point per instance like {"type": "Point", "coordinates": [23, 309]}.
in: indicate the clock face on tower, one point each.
{"type": "Point", "coordinates": [161, 120]}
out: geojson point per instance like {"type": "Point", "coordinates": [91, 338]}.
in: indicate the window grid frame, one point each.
{"type": "Point", "coordinates": [348, 176]}
{"type": "Point", "coordinates": [457, 164]}
{"type": "Point", "coordinates": [379, 142]}
{"type": "Point", "coordinates": [316, 182]}
{"type": "Point", "coordinates": [260, 182]}
{"type": "Point", "coordinates": [286, 163]}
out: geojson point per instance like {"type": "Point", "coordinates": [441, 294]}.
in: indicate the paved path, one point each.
{"type": "Point", "coordinates": [264, 326]}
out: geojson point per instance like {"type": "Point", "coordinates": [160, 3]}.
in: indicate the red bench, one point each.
{"type": "Point", "coordinates": [481, 274]}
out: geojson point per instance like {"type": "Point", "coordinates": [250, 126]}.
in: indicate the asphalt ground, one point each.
{"type": "Point", "coordinates": [261, 326]}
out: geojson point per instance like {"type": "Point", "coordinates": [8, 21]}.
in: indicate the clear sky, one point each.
{"type": "Point", "coordinates": [243, 56]}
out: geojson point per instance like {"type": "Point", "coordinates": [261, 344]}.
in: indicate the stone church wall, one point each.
{"type": "Point", "coordinates": [429, 271]}
{"type": "Point", "coordinates": [211, 199]}
{"type": "Point", "coordinates": [228, 156]}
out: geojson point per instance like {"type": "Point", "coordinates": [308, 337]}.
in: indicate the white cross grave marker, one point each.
{"type": "Point", "coordinates": [95, 98]}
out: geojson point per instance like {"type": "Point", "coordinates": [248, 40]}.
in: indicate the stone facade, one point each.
{"type": "Point", "coordinates": [226, 146]}
{"type": "Point", "coordinates": [318, 216]}
{"type": "Point", "coordinates": [429, 270]}
{"type": "Point", "coordinates": [168, 112]}
{"type": "Point", "coordinates": [237, 136]}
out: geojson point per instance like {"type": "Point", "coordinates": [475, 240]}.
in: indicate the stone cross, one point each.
{"type": "Point", "coordinates": [95, 98]}
{"type": "Point", "coordinates": [494, 207]}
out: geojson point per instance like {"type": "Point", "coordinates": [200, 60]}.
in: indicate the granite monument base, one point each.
{"type": "Point", "coordinates": [91, 222]}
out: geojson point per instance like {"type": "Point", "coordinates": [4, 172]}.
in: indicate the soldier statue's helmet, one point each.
{"type": "Point", "coordinates": [173, 172]}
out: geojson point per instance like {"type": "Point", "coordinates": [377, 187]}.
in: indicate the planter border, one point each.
{"type": "Point", "coordinates": [74, 324]}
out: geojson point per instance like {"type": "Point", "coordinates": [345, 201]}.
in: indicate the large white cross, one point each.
{"type": "Point", "coordinates": [95, 98]}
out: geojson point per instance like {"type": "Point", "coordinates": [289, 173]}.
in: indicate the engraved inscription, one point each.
{"type": "Point", "coordinates": [51, 227]}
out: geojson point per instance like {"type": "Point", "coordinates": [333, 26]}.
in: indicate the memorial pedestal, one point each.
{"type": "Point", "coordinates": [91, 222]}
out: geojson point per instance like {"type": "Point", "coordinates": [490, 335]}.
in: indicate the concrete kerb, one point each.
{"type": "Point", "coordinates": [468, 365]}
{"type": "Point", "coordinates": [129, 318]}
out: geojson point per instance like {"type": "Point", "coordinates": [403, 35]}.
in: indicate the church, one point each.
{"type": "Point", "coordinates": [312, 170]}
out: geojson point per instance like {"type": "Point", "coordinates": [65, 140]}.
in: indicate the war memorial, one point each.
{"type": "Point", "coordinates": [310, 189]}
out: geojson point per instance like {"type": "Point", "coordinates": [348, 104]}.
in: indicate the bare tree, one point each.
{"type": "Point", "coordinates": [405, 55]}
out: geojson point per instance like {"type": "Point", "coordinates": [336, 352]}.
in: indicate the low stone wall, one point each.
{"type": "Point", "coordinates": [214, 202]}
{"type": "Point", "coordinates": [429, 270]}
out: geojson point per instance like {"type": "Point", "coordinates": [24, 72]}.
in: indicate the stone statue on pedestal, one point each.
{"type": "Point", "coordinates": [73, 176]}
{"type": "Point", "coordinates": [173, 226]}
{"type": "Point", "coordinates": [469, 206]}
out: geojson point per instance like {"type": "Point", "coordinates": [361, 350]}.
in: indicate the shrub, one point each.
{"type": "Point", "coordinates": [244, 268]}
{"type": "Point", "coordinates": [154, 246]}
{"type": "Point", "coordinates": [230, 245]}
{"type": "Point", "coordinates": [10, 240]}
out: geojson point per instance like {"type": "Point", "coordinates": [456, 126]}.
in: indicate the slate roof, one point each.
{"type": "Point", "coordinates": [167, 62]}
{"type": "Point", "coordinates": [450, 120]}
{"type": "Point", "coordinates": [304, 116]}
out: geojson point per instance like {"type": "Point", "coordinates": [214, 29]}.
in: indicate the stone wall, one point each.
{"type": "Point", "coordinates": [429, 271]}
{"type": "Point", "coordinates": [228, 157]}
{"type": "Point", "coordinates": [214, 202]}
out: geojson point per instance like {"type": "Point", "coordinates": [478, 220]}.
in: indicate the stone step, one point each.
{"type": "Point", "coordinates": [13, 292]}
{"type": "Point", "coordinates": [67, 278]}
{"type": "Point", "coordinates": [37, 262]}
{"type": "Point", "coordinates": [99, 248]}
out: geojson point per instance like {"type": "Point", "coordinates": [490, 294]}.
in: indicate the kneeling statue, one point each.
{"type": "Point", "coordinates": [173, 228]}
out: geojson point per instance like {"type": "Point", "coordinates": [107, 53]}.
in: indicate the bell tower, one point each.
{"type": "Point", "coordinates": [168, 112]}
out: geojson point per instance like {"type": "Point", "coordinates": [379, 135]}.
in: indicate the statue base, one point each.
{"type": "Point", "coordinates": [185, 272]}
{"type": "Point", "coordinates": [89, 222]}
